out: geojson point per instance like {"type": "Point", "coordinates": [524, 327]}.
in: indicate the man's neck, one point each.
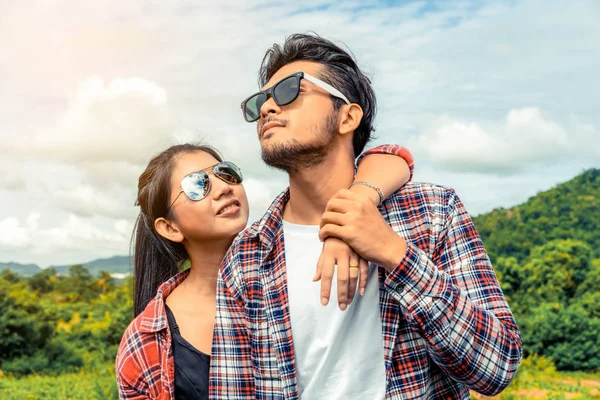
{"type": "Point", "coordinates": [311, 189]}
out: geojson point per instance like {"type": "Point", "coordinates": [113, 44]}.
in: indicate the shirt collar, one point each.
{"type": "Point", "coordinates": [271, 223]}
{"type": "Point", "coordinates": [154, 316]}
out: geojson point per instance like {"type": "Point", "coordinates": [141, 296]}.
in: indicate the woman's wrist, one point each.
{"type": "Point", "coordinates": [367, 189]}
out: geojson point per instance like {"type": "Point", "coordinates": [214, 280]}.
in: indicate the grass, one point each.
{"type": "Point", "coordinates": [530, 385]}
{"type": "Point", "coordinates": [536, 379]}
{"type": "Point", "coordinates": [79, 385]}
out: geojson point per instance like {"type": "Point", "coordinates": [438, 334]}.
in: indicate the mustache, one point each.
{"type": "Point", "coordinates": [263, 122]}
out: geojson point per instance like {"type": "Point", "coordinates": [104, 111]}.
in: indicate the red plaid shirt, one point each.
{"type": "Point", "coordinates": [446, 325]}
{"type": "Point", "coordinates": [144, 363]}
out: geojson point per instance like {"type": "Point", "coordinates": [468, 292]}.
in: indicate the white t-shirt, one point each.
{"type": "Point", "coordinates": [339, 354]}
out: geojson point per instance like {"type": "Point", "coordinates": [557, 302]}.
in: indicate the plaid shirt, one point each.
{"type": "Point", "coordinates": [144, 363]}
{"type": "Point", "coordinates": [446, 325]}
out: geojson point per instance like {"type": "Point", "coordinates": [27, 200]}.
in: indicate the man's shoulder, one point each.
{"type": "Point", "coordinates": [423, 191]}
{"type": "Point", "coordinates": [247, 236]}
{"type": "Point", "coordinates": [267, 226]}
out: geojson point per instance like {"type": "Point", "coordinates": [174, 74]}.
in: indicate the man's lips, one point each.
{"type": "Point", "coordinates": [268, 126]}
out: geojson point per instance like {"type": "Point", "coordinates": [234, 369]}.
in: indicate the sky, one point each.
{"type": "Point", "coordinates": [496, 99]}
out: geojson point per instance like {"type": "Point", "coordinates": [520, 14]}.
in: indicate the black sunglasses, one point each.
{"type": "Point", "coordinates": [283, 93]}
{"type": "Point", "coordinates": [196, 185]}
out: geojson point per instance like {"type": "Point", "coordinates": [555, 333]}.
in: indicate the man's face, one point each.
{"type": "Point", "coordinates": [300, 134]}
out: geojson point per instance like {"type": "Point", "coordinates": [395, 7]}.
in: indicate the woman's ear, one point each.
{"type": "Point", "coordinates": [350, 117]}
{"type": "Point", "coordinates": [168, 230]}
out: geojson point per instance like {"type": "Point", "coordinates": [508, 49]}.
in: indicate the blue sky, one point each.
{"type": "Point", "coordinates": [497, 99]}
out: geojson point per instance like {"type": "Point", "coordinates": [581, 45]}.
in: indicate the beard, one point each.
{"type": "Point", "coordinates": [295, 156]}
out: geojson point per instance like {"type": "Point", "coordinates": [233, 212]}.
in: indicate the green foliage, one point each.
{"type": "Point", "coordinates": [56, 357]}
{"type": "Point", "coordinates": [565, 334]}
{"type": "Point", "coordinates": [10, 276]}
{"type": "Point", "coordinates": [546, 253]}
{"type": "Point", "coordinates": [53, 324]}
{"type": "Point", "coordinates": [556, 304]}
{"type": "Point", "coordinates": [569, 211]}
{"type": "Point", "coordinates": [24, 325]}
{"type": "Point", "coordinates": [93, 385]}
{"type": "Point", "coordinates": [555, 270]}
{"type": "Point", "coordinates": [44, 281]}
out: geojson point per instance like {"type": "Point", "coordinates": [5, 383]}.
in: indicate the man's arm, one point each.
{"type": "Point", "coordinates": [452, 298]}
{"type": "Point", "coordinates": [231, 375]}
{"type": "Point", "coordinates": [455, 300]}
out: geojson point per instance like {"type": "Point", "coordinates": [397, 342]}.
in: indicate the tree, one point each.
{"type": "Point", "coordinates": [555, 270]}
{"type": "Point", "coordinates": [24, 326]}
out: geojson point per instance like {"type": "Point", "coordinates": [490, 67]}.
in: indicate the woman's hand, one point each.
{"type": "Point", "coordinates": [351, 270]}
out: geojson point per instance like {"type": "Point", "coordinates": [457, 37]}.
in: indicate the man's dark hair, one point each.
{"type": "Point", "coordinates": [341, 71]}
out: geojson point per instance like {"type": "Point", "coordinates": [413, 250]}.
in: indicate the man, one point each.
{"type": "Point", "coordinates": [432, 323]}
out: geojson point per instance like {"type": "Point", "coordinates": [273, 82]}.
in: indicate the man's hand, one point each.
{"type": "Point", "coordinates": [336, 252]}
{"type": "Point", "coordinates": [354, 219]}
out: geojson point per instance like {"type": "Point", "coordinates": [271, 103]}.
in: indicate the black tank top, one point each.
{"type": "Point", "coordinates": [191, 365]}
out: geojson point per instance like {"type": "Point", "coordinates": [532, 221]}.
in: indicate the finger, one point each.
{"type": "Point", "coordinates": [327, 269]}
{"type": "Point", "coordinates": [342, 282]}
{"type": "Point", "coordinates": [331, 230]}
{"type": "Point", "coordinates": [330, 217]}
{"type": "Point", "coordinates": [345, 194]}
{"type": "Point", "coordinates": [353, 277]}
{"type": "Point", "coordinates": [364, 276]}
{"type": "Point", "coordinates": [317, 274]}
{"type": "Point", "coordinates": [338, 205]}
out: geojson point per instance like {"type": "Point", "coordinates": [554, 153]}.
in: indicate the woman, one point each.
{"type": "Point", "coordinates": [192, 206]}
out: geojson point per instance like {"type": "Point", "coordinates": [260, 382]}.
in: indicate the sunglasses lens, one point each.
{"type": "Point", "coordinates": [286, 91]}
{"type": "Point", "coordinates": [196, 185]}
{"type": "Point", "coordinates": [252, 106]}
{"type": "Point", "coordinates": [228, 172]}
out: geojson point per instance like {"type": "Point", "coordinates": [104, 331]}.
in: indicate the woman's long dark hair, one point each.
{"type": "Point", "coordinates": [157, 259]}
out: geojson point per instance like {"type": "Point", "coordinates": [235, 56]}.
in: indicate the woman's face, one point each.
{"type": "Point", "coordinates": [221, 215]}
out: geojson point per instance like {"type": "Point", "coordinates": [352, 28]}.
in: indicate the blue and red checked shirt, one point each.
{"type": "Point", "coordinates": [144, 362]}
{"type": "Point", "coordinates": [447, 327]}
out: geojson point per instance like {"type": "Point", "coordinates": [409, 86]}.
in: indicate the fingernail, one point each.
{"type": "Point", "coordinates": [324, 301]}
{"type": "Point", "coordinates": [362, 291]}
{"type": "Point", "coordinates": [343, 306]}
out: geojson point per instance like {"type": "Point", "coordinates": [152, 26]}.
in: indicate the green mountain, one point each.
{"type": "Point", "coordinates": [113, 265]}
{"type": "Point", "coordinates": [570, 210]}
{"type": "Point", "coordinates": [20, 269]}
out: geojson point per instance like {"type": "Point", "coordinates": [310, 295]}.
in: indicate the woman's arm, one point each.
{"type": "Point", "coordinates": [387, 167]}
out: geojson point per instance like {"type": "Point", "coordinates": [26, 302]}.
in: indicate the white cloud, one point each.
{"type": "Point", "coordinates": [11, 182]}
{"type": "Point", "coordinates": [525, 138]}
{"type": "Point", "coordinates": [86, 201]}
{"type": "Point", "coordinates": [124, 120]}
{"type": "Point", "coordinates": [12, 234]}
{"type": "Point", "coordinates": [73, 234]}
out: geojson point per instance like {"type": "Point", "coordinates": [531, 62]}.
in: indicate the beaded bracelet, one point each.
{"type": "Point", "coordinates": [379, 192]}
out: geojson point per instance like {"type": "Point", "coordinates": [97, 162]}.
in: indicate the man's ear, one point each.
{"type": "Point", "coordinates": [350, 117]}
{"type": "Point", "coordinates": [168, 230]}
